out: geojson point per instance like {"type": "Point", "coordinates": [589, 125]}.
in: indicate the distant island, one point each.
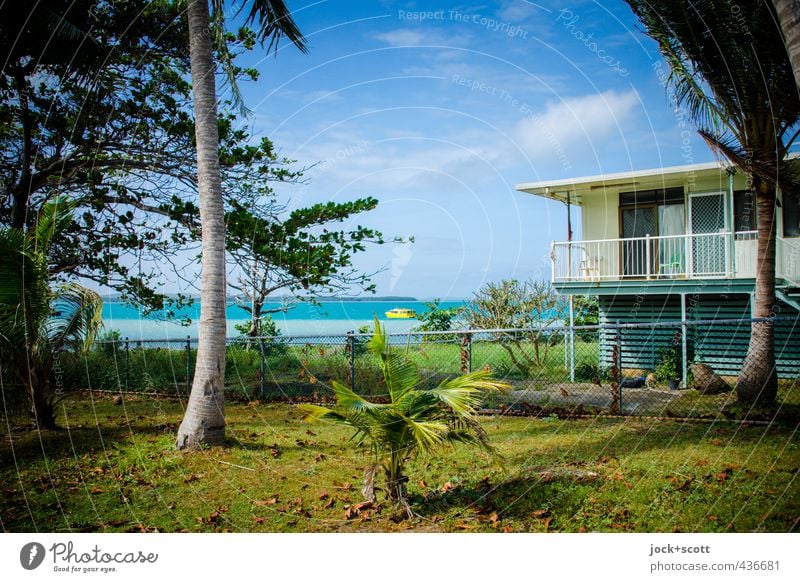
{"type": "Point", "coordinates": [116, 298]}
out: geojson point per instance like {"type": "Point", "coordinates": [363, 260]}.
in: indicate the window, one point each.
{"type": "Point", "coordinates": [645, 197]}
{"type": "Point", "coordinates": [655, 213]}
{"type": "Point", "coordinates": [790, 203]}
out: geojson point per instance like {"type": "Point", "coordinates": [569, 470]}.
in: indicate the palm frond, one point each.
{"type": "Point", "coordinates": [51, 222]}
{"type": "Point", "coordinates": [427, 434]}
{"type": "Point", "coordinates": [347, 399]}
{"type": "Point", "coordinates": [315, 412]}
{"type": "Point", "coordinates": [462, 394]}
{"type": "Point", "coordinates": [399, 372]}
{"type": "Point", "coordinates": [24, 294]}
{"type": "Point", "coordinates": [729, 68]}
{"type": "Point", "coordinates": [76, 319]}
{"type": "Point", "coordinates": [273, 20]}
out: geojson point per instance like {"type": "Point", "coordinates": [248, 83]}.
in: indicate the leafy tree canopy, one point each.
{"type": "Point", "coordinates": [96, 108]}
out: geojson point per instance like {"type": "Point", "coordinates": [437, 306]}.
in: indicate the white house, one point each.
{"type": "Point", "coordinates": [674, 244]}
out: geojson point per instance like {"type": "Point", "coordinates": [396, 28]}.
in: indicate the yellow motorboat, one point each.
{"type": "Point", "coordinates": [401, 313]}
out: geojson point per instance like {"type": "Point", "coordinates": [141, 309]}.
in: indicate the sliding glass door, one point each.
{"type": "Point", "coordinates": [656, 214]}
{"type": "Point", "coordinates": [637, 223]}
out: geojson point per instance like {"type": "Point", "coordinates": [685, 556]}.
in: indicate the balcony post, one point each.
{"type": "Point", "coordinates": [648, 258]}
{"type": "Point", "coordinates": [569, 260]}
{"type": "Point", "coordinates": [729, 255]}
{"type": "Point", "coordinates": [552, 261]}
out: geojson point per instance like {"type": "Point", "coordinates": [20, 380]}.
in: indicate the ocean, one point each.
{"type": "Point", "coordinates": [304, 319]}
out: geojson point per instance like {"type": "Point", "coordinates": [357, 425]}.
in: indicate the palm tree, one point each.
{"type": "Point", "coordinates": [789, 18]}
{"type": "Point", "coordinates": [37, 322]}
{"type": "Point", "coordinates": [730, 68]}
{"type": "Point", "coordinates": [204, 420]}
{"type": "Point", "coordinates": [414, 421]}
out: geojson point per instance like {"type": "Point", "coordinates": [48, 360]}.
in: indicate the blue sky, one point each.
{"type": "Point", "coordinates": [438, 109]}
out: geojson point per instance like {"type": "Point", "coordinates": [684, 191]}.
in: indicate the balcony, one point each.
{"type": "Point", "coordinates": [690, 256]}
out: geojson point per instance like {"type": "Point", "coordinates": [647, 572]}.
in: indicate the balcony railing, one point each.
{"type": "Point", "coordinates": [707, 255]}
{"type": "Point", "coordinates": [787, 258]}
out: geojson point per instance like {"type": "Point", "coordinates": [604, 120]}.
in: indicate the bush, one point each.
{"type": "Point", "coordinates": [268, 340]}
{"type": "Point", "coordinates": [589, 372]}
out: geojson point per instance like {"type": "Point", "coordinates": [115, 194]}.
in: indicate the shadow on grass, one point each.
{"type": "Point", "coordinates": [541, 499]}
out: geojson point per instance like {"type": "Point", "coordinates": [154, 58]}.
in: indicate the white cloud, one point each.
{"type": "Point", "coordinates": [577, 127]}
{"type": "Point", "coordinates": [517, 10]}
{"type": "Point", "coordinates": [404, 37]}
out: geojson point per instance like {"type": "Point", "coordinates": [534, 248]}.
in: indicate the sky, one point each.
{"type": "Point", "coordinates": [439, 109]}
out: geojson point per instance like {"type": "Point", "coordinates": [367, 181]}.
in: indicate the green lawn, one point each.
{"type": "Point", "coordinates": [113, 468]}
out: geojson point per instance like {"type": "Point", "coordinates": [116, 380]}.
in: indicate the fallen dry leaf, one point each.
{"type": "Point", "coordinates": [270, 501]}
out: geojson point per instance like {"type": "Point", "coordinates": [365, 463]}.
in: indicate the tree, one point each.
{"type": "Point", "coordinates": [518, 313]}
{"type": "Point", "coordinates": [112, 131]}
{"type": "Point", "coordinates": [585, 311]}
{"type": "Point", "coordinates": [37, 322]}
{"type": "Point", "coordinates": [789, 17]}
{"type": "Point", "coordinates": [204, 420]}
{"type": "Point", "coordinates": [413, 422]}
{"type": "Point", "coordinates": [299, 253]}
{"type": "Point", "coordinates": [436, 318]}
{"type": "Point", "coordinates": [729, 67]}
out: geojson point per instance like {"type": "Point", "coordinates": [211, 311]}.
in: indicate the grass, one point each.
{"type": "Point", "coordinates": [114, 468]}
{"type": "Point", "coordinates": [164, 369]}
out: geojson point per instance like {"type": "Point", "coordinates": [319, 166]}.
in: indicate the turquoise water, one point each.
{"type": "Point", "coordinates": [333, 318]}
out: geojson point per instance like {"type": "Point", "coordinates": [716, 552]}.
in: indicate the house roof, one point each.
{"type": "Point", "coordinates": [577, 188]}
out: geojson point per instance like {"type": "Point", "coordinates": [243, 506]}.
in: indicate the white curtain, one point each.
{"type": "Point", "coordinates": [671, 252]}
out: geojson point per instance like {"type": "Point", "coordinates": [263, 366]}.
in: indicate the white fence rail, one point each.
{"type": "Point", "coordinates": [711, 255]}
{"type": "Point", "coordinates": [788, 260]}
{"type": "Point", "coordinates": [652, 257]}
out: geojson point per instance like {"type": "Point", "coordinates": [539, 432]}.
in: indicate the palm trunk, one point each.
{"type": "Point", "coordinates": [758, 381]}
{"type": "Point", "coordinates": [396, 481]}
{"type": "Point", "coordinates": [41, 401]}
{"type": "Point", "coordinates": [204, 421]}
{"type": "Point", "coordinates": [789, 19]}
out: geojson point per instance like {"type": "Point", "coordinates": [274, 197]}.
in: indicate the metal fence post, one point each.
{"type": "Point", "coordinates": [571, 339]}
{"type": "Point", "coordinates": [684, 344]}
{"type": "Point", "coordinates": [127, 361]}
{"type": "Point", "coordinates": [188, 364]}
{"type": "Point", "coordinates": [619, 365]}
{"type": "Point", "coordinates": [466, 353]}
{"type": "Point", "coordinates": [263, 387]}
{"type": "Point", "coordinates": [351, 347]}
{"type": "Point", "coordinates": [469, 350]}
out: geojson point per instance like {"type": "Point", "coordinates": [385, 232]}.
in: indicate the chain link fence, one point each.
{"type": "Point", "coordinates": [678, 369]}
